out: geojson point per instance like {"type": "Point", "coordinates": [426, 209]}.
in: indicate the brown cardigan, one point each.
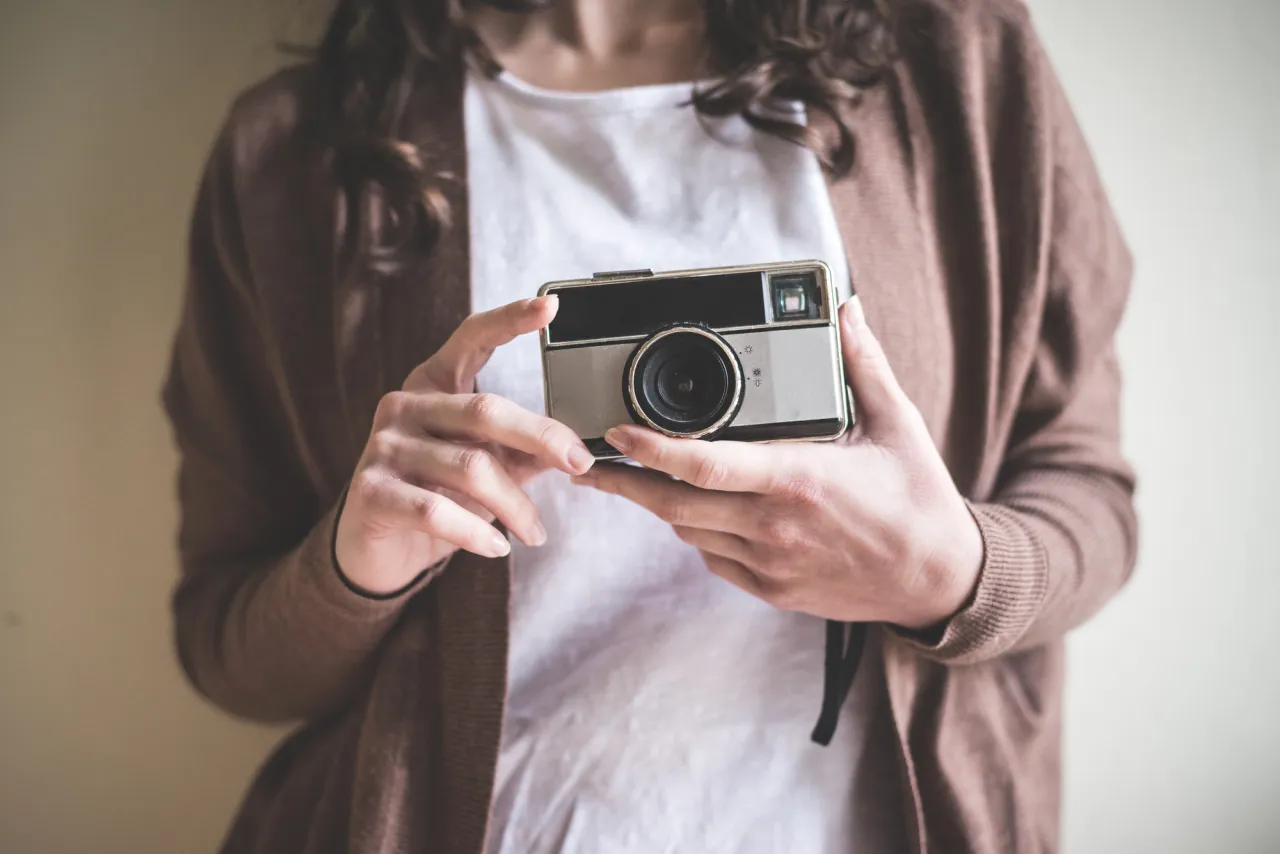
{"type": "Point", "coordinates": [988, 261]}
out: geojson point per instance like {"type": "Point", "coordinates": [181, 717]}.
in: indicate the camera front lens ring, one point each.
{"type": "Point", "coordinates": [684, 381]}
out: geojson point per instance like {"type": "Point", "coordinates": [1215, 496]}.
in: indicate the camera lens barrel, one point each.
{"type": "Point", "coordinates": [685, 380]}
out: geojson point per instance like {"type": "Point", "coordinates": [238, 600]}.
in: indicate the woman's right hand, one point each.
{"type": "Point", "coordinates": [442, 462]}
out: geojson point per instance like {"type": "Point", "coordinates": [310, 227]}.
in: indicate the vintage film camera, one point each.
{"type": "Point", "coordinates": [750, 354]}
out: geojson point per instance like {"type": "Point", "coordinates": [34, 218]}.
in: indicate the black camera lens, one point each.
{"type": "Point", "coordinates": [684, 381]}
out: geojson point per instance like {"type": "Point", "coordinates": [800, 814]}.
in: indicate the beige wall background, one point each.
{"type": "Point", "coordinates": [106, 111]}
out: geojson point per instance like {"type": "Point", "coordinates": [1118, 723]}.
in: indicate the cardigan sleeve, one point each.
{"type": "Point", "coordinates": [1059, 530]}
{"type": "Point", "coordinates": [266, 627]}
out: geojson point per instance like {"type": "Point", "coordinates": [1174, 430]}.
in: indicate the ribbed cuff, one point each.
{"type": "Point", "coordinates": [1010, 591]}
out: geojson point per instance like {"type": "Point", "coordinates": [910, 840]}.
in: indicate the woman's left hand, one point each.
{"type": "Point", "coordinates": [869, 528]}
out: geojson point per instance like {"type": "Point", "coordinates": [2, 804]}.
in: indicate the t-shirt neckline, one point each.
{"type": "Point", "coordinates": [624, 99]}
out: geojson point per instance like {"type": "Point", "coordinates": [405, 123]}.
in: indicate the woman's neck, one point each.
{"type": "Point", "coordinates": [586, 45]}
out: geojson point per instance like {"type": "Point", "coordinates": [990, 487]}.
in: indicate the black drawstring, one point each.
{"type": "Point", "coordinates": [841, 667]}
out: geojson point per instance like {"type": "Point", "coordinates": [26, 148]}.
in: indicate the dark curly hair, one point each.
{"type": "Point", "coordinates": [375, 53]}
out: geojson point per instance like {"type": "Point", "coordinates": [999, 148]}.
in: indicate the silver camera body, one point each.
{"type": "Point", "coordinates": [749, 354]}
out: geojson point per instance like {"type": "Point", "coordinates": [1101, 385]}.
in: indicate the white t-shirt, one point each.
{"type": "Point", "coordinates": [652, 707]}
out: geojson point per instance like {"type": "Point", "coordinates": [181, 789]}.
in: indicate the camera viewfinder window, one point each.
{"type": "Point", "coordinates": [796, 297]}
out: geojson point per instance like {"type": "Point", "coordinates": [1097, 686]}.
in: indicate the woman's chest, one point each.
{"type": "Point", "coordinates": [511, 234]}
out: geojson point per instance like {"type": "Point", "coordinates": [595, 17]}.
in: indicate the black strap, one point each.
{"type": "Point", "coordinates": [841, 667]}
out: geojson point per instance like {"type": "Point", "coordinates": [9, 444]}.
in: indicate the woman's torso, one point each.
{"type": "Point", "coordinates": [650, 706]}
{"type": "Point", "coordinates": [950, 269]}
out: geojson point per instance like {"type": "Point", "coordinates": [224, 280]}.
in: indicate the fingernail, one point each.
{"type": "Point", "coordinates": [849, 325]}
{"type": "Point", "coordinates": [499, 547]}
{"type": "Point", "coordinates": [550, 301]}
{"type": "Point", "coordinates": [853, 312]}
{"type": "Point", "coordinates": [618, 439]}
{"type": "Point", "coordinates": [539, 535]}
{"type": "Point", "coordinates": [580, 460]}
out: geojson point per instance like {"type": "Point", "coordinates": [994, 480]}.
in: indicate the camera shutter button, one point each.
{"type": "Point", "coordinates": [623, 274]}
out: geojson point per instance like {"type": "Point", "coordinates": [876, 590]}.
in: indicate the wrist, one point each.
{"type": "Point", "coordinates": [950, 573]}
{"type": "Point", "coordinates": [345, 563]}
{"type": "Point", "coordinates": [357, 569]}
{"type": "Point", "coordinates": [374, 585]}
{"type": "Point", "coordinates": [350, 571]}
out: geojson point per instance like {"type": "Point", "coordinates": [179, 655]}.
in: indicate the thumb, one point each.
{"type": "Point", "coordinates": [454, 366]}
{"type": "Point", "coordinates": [875, 388]}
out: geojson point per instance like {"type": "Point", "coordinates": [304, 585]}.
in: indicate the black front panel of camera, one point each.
{"type": "Point", "coordinates": [822, 428]}
{"type": "Point", "coordinates": [622, 309]}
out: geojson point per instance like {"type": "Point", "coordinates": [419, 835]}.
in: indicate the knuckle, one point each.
{"type": "Point", "coordinates": [484, 408]}
{"type": "Point", "coordinates": [878, 362]}
{"type": "Point", "coordinates": [710, 473]}
{"type": "Point", "coordinates": [391, 408]}
{"type": "Point", "coordinates": [383, 446]}
{"type": "Point", "coordinates": [367, 490]}
{"type": "Point", "coordinates": [674, 511]}
{"type": "Point", "coordinates": [803, 489]}
{"type": "Point", "coordinates": [548, 434]}
{"type": "Point", "coordinates": [426, 508]}
{"type": "Point", "coordinates": [655, 456]}
{"type": "Point", "coordinates": [476, 464]}
{"type": "Point", "coordinates": [781, 532]}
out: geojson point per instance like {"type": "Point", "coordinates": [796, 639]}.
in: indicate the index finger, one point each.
{"type": "Point", "coordinates": [489, 418]}
{"type": "Point", "coordinates": [680, 504]}
{"type": "Point", "coordinates": [454, 366]}
{"type": "Point", "coordinates": [724, 466]}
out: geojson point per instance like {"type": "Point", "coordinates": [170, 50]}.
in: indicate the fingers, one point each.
{"type": "Point", "coordinates": [393, 500]}
{"type": "Point", "coordinates": [454, 366]}
{"type": "Point", "coordinates": [522, 467]}
{"type": "Point", "coordinates": [724, 466]}
{"type": "Point", "coordinates": [734, 573]}
{"type": "Point", "coordinates": [465, 469]}
{"type": "Point", "coordinates": [676, 503]}
{"type": "Point", "coordinates": [493, 419]}
{"type": "Point", "coordinates": [729, 546]}
{"type": "Point", "coordinates": [867, 368]}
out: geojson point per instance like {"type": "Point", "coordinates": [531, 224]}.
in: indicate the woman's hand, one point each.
{"type": "Point", "coordinates": [442, 462]}
{"type": "Point", "coordinates": [867, 529]}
